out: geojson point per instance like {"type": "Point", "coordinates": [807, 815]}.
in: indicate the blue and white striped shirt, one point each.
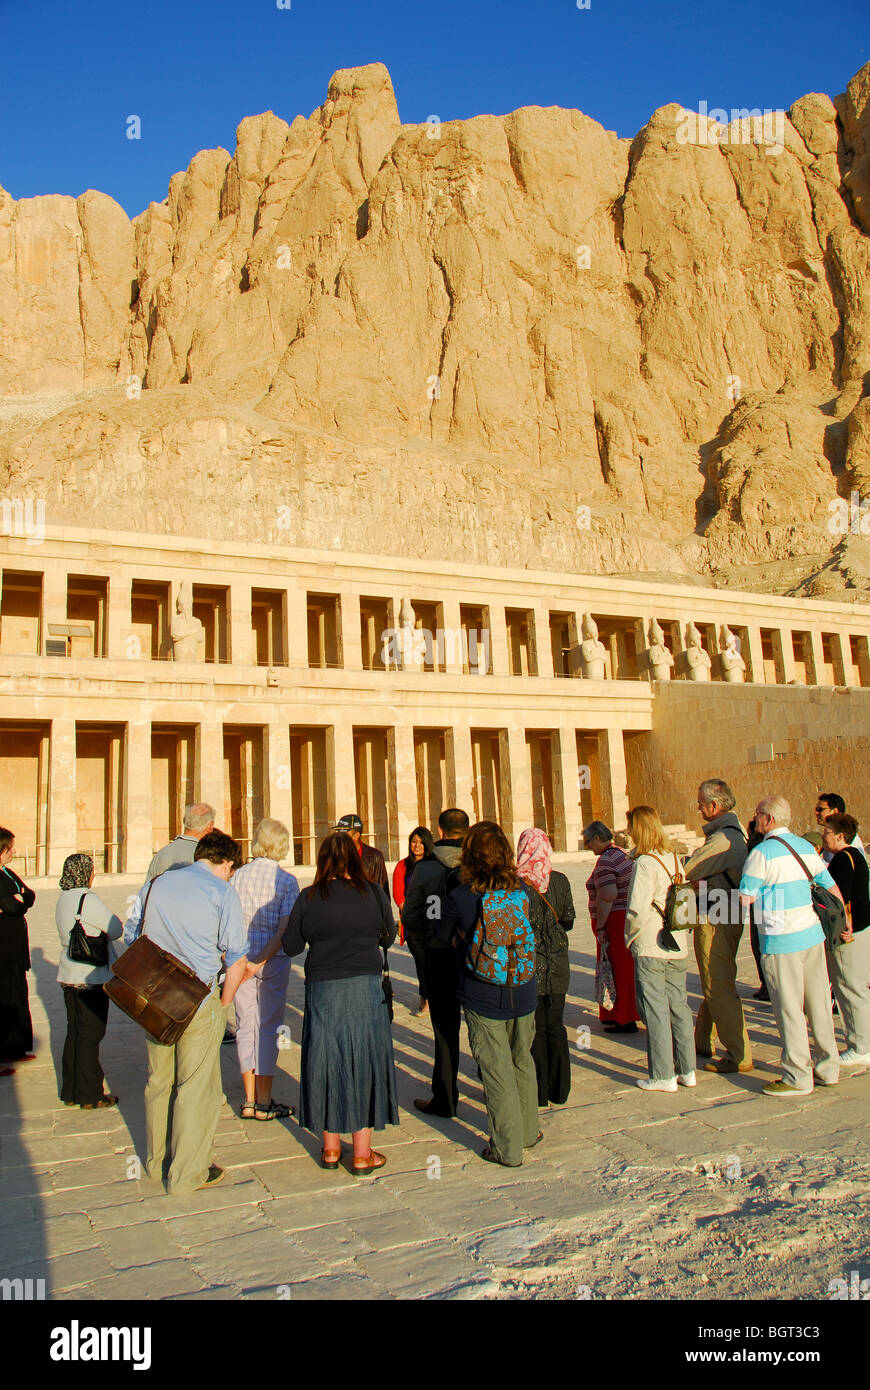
{"type": "Point", "coordinates": [267, 894]}
{"type": "Point", "coordinates": [783, 904]}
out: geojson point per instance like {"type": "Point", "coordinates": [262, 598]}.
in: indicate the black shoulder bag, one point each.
{"type": "Point", "coordinates": [84, 949]}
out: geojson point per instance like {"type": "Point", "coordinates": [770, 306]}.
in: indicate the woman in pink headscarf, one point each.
{"type": "Point", "coordinates": [551, 915]}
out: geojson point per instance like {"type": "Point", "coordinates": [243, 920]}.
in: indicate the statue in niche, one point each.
{"type": "Point", "coordinates": [733, 665]}
{"type": "Point", "coordinates": [185, 630]}
{"type": "Point", "coordinates": [411, 642]}
{"type": "Point", "coordinates": [593, 654]}
{"type": "Point", "coordinates": [660, 659]}
{"type": "Point", "coordinates": [698, 662]}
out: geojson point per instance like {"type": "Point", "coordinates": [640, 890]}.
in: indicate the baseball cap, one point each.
{"type": "Point", "coordinates": [348, 823]}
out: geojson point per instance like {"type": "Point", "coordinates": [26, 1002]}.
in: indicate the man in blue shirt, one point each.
{"type": "Point", "coordinates": [195, 914]}
{"type": "Point", "coordinates": [776, 881]}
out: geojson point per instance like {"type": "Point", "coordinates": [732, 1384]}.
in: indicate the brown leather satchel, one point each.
{"type": "Point", "coordinates": [154, 988]}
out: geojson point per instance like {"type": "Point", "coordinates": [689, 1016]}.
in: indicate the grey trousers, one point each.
{"type": "Point", "coordinates": [661, 996]}
{"type": "Point", "coordinates": [183, 1098]}
{"type": "Point", "coordinates": [501, 1047]}
{"type": "Point", "coordinates": [849, 969]}
{"type": "Point", "coordinates": [799, 990]}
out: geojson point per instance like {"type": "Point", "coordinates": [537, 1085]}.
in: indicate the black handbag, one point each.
{"type": "Point", "coordinates": [84, 949]}
{"type": "Point", "coordinates": [387, 984]}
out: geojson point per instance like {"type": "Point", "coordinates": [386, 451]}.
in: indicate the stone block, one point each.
{"type": "Point", "coordinates": [145, 1243]}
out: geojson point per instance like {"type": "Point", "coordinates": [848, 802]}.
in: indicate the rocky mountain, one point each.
{"type": "Point", "coordinates": [515, 340]}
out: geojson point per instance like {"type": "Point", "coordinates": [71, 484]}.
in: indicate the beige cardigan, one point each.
{"type": "Point", "coordinates": [643, 924]}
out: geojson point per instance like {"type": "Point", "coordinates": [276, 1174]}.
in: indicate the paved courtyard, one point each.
{"type": "Point", "coordinates": [712, 1193]}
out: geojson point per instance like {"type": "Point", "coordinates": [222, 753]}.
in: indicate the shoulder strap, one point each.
{"type": "Point", "coordinates": [794, 852]}
{"type": "Point", "coordinates": [664, 866]}
{"type": "Point", "coordinates": [544, 899]}
{"type": "Point", "coordinates": [145, 907]}
{"type": "Point", "coordinates": [78, 921]}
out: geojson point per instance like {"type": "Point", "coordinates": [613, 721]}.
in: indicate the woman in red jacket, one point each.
{"type": "Point", "coordinates": [420, 846]}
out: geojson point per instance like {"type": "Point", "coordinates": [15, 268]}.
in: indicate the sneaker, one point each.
{"type": "Point", "coordinates": [851, 1058]}
{"type": "Point", "coordinates": [724, 1066]}
{"type": "Point", "coordinates": [688, 1079]}
{"type": "Point", "coordinates": [215, 1175]}
{"type": "Point", "coordinates": [647, 1083]}
{"type": "Point", "coordinates": [817, 1080]}
{"type": "Point", "coordinates": [783, 1091]}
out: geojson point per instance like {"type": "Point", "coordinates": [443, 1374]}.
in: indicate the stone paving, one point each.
{"type": "Point", "coordinates": [717, 1192]}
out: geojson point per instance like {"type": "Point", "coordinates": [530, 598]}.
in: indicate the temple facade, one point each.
{"type": "Point", "coordinates": [139, 673]}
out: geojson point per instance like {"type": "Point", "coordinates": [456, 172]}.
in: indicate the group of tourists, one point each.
{"type": "Point", "coordinates": [487, 931]}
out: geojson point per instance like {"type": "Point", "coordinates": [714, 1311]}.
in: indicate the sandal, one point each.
{"type": "Point", "coordinates": [535, 1141]}
{"type": "Point", "coordinates": [100, 1104]}
{"type": "Point", "coordinates": [246, 1110]}
{"type": "Point", "coordinates": [330, 1158]}
{"type": "Point", "coordinates": [373, 1161]}
{"type": "Point", "coordinates": [273, 1111]}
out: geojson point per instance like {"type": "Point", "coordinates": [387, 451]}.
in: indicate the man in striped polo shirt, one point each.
{"type": "Point", "coordinates": [792, 948]}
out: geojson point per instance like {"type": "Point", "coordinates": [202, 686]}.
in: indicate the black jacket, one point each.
{"type": "Point", "coordinates": [550, 923]}
{"type": "Point", "coordinates": [14, 943]}
{"type": "Point", "coordinates": [420, 911]}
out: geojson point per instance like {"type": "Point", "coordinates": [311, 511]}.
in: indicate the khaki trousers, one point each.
{"type": "Point", "coordinates": [800, 990]}
{"type": "Point", "coordinates": [183, 1098]}
{"type": "Point", "coordinates": [849, 969]}
{"type": "Point", "coordinates": [716, 953]}
{"type": "Point", "coordinates": [501, 1047]}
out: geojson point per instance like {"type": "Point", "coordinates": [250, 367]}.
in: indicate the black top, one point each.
{"type": "Point", "coordinates": [550, 923]}
{"type": "Point", "coordinates": [848, 869]}
{"type": "Point", "coordinates": [14, 944]}
{"type": "Point", "coordinates": [491, 1001]}
{"type": "Point", "coordinates": [343, 932]}
{"type": "Point", "coordinates": [424, 900]}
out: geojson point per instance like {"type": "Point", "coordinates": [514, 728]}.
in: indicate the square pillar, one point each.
{"type": "Point", "coordinates": [612, 778]}
{"type": "Point", "coordinates": [756, 656]}
{"type": "Point", "coordinates": [452, 645]}
{"type": "Point", "coordinates": [460, 769]}
{"type": "Point", "coordinates": [516, 783]}
{"type": "Point", "coordinates": [816, 662]}
{"type": "Point", "coordinates": [210, 767]}
{"type": "Point", "coordinates": [138, 846]}
{"type": "Point", "coordinates": [276, 756]}
{"type": "Point", "coordinates": [566, 790]}
{"type": "Point", "coordinates": [350, 628]}
{"type": "Point", "coordinates": [838, 643]}
{"type": "Point", "coordinates": [543, 651]}
{"type": "Point", "coordinates": [61, 794]}
{"type": "Point", "coordinates": [341, 771]}
{"type": "Point", "coordinates": [403, 776]}
{"type": "Point", "coordinates": [241, 629]}
{"type": "Point", "coordinates": [297, 629]}
{"type": "Point", "coordinates": [122, 645]}
{"type": "Point", "coordinates": [54, 595]}
{"type": "Point", "coordinates": [498, 640]}
{"type": "Point", "coordinates": [784, 654]}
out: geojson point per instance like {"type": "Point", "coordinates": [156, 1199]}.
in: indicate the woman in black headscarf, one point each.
{"type": "Point", "coordinates": [16, 1028]}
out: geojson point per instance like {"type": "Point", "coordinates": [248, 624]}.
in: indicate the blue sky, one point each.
{"type": "Point", "coordinates": [71, 74]}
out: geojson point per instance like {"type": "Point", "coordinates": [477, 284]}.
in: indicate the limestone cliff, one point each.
{"type": "Point", "coordinates": [516, 340]}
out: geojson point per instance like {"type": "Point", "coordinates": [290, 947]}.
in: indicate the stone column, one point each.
{"type": "Point", "coordinates": [754, 658]}
{"type": "Point", "coordinates": [816, 659]}
{"type": "Point", "coordinates": [62, 830]}
{"type": "Point", "coordinates": [566, 789]}
{"type": "Point", "coordinates": [119, 622]}
{"type": "Point", "coordinates": [241, 630]}
{"type": "Point", "coordinates": [209, 762]}
{"type": "Point", "coordinates": [863, 663]}
{"type": "Point", "coordinates": [460, 768]}
{"type": "Point", "coordinates": [403, 774]}
{"type": "Point", "coordinates": [542, 647]}
{"type": "Point", "coordinates": [498, 640]}
{"type": "Point", "coordinates": [612, 777]}
{"type": "Point", "coordinates": [138, 847]}
{"type": "Point", "coordinates": [452, 643]}
{"type": "Point", "coordinates": [516, 783]}
{"type": "Point", "coordinates": [279, 801]}
{"type": "Point", "coordinates": [784, 654]}
{"type": "Point", "coordinates": [341, 771]}
{"type": "Point", "coordinates": [297, 629]}
{"type": "Point", "coordinates": [54, 591]}
{"type": "Point", "coordinates": [350, 645]}
{"type": "Point", "coordinates": [838, 642]}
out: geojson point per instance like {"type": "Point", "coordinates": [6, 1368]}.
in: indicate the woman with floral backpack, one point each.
{"type": "Point", "coordinates": [487, 918]}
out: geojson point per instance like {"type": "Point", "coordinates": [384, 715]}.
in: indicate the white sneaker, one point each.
{"type": "Point", "coordinates": [687, 1080]}
{"type": "Point", "coordinates": [648, 1084]}
{"type": "Point", "coordinates": [854, 1059]}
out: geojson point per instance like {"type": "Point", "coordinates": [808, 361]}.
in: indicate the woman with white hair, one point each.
{"type": "Point", "coordinates": [267, 893]}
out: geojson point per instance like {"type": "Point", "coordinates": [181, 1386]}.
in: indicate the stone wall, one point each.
{"type": "Point", "coordinates": [761, 739]}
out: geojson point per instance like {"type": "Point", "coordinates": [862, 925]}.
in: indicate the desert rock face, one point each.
{"type": "Point", "coordinates": [451, 341]}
